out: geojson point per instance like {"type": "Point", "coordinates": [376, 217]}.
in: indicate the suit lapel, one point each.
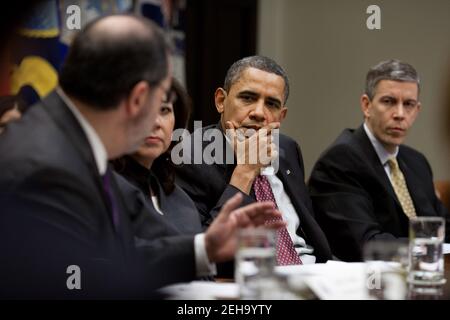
{"type": "Point", "coordinates": [225, 168]}
{"type": "Point", "coordinates": [418, 195]}
{"type": "Point", "coordinates": [165, 206]}
{"type": "Point", "coordinates": [290, 177]}
{"type": "Point", "coordinates": [286, 174]}
{"type": "Point", "coordinates": [124, 228]}
{"type": "Point", "coordinates": [372, 157]}
{"type": "Point", "coordinates": [70, 127]}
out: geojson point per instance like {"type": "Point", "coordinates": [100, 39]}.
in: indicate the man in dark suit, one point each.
{"type": "Point", "coordinates": [367, 184]}
{"type": "Point", "coordinates": [253, 99]}
{"type": "Point", "coordinates": [67, 225]}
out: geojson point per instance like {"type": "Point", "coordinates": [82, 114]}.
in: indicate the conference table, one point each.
{"type": "Point", "coordinates": [333, 280]}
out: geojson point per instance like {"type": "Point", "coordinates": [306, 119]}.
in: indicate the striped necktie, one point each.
{"type": "Point", "coordinates": [286, 254]}
{"type": "Point", "coordinates": [400, 188]}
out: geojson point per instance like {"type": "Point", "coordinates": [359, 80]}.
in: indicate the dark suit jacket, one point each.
{"type": "Point", "coordinates": [54, 213]}
{"type": "Point", "coordinates": [208, 185]}
{"type": "Point", "coordinates": [354, 200]}
{"type": "Point", "coordinates": [166, 255]}
{"type": "Point", "coordinates": [179, 210]}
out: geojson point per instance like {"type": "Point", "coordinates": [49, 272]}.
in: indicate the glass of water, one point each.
{"type": "Point", "coordinates": [255, 262]}
{"type": "Point", "coordinates": [426, 237]}
{"type": "Point", "coordinates": [386, 263]}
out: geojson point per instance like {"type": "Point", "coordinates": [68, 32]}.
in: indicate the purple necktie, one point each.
{"type": "Point", "coordinates": [106, 179]}
{"type": "Point", "coordinates": [286, 254]}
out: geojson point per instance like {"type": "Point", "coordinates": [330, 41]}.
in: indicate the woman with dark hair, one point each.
{"type": "Point", "coordinates": [151, 170]}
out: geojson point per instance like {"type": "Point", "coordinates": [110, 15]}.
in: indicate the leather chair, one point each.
{"type": "Point", "coordinates": [443, 191]}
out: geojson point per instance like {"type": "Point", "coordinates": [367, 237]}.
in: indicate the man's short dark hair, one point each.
{"type": "Point", "coordinates": [395, 70]}
{"type": "Point", "coordinates": [101, 69]}
{"type": "Point", "coordinates": [257, 62]}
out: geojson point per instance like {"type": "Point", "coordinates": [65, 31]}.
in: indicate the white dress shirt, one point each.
{"type": "Point", "coordinates": [203, 266]}
{"type": "Point", "coordinates": [156, 205]}
{"type": "Point", "coordinates": [382, 153]}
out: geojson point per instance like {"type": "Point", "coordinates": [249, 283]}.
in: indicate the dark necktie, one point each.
{"type": "Point", "coordinates": [112, 205]}
{"type": "Point", "coordinates": [286, 254]}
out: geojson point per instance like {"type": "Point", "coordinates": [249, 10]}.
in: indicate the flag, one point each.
{"type": "Point", "coordinates": [44, 41]}
{"type": "Point", "coordinates": [36, 57]}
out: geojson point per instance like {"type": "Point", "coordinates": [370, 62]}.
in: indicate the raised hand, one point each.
{"type": "Point", "coordinates": [254, 150]}
{"type": "Point", "coordinates": [220, 238]}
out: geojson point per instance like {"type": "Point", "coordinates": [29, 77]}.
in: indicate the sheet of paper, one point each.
{"type": "Point", "coordinates": [333, 280]}
{"type": "Point", "coordinates": [202, 290]}
{"type": "Point", "coordinates": [446, 248]}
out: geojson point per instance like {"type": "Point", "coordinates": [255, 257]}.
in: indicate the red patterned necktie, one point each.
{"type": "Point", "coordinates": [286, 254]}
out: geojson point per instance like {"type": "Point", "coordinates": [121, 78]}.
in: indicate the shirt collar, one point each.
{"type": "Point", "coordinates": [97, 146]}
{"type": "Point", "coordinates": [382, 153]}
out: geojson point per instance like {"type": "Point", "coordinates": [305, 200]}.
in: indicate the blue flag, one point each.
{"type": "Point", "coordinates": [37, 57]}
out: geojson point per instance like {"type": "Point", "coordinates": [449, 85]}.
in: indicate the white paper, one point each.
{"type": "Point", "coordinates": [202, 290]}
{"type": "Point", "coordinates": [446, 248]}
{"type": "Point", "coordinates": [333, 280]}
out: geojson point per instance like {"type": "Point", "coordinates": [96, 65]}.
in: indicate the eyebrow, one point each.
{"type": "Point", "coordinates": [388, 96]}
{"type": "Point", "coordinates": [395, 98]}
{"type": "Point", "coordinates": [248, 92]}
{"type": "Point", "coordinates": [254, 94]}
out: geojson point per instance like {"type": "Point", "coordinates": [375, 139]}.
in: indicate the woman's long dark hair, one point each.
{"type": "Point", "coordinates": [162, 166]}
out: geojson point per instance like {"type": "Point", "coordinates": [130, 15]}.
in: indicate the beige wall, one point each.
{"type": "Point", "coordinates": [326, 49]}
